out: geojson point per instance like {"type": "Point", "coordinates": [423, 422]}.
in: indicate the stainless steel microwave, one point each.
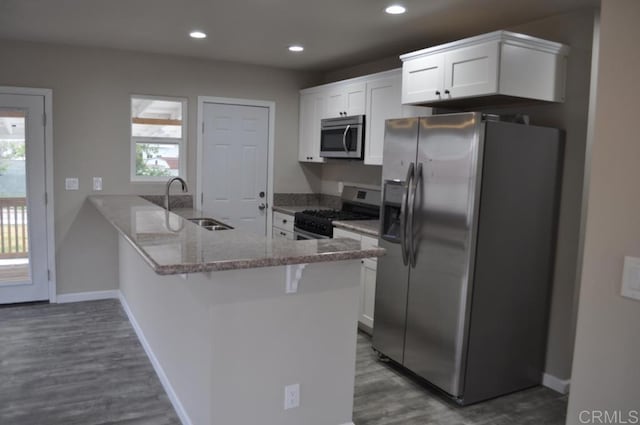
{"type": "Point", "coordinates": [342, 137]}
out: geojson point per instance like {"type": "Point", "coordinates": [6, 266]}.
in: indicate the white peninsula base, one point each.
{"type": "Point", "coordinates": [226, 343]}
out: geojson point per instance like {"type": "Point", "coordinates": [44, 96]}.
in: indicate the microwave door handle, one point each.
{"type": "Point", "coordinates": [344, 138]}
{"type": "Point", "coordinates": [403, 215]}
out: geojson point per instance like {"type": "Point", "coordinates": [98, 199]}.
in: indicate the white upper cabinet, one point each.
{"type": "Point", "coordinates": [377, 96]}
{"type": "Point", "coordinates": [312, 107]}
{"type": "Point", "coordinates": [423, 79]}
{"type": "Point", "coordinates": [345, 100]}
{"type": "Point", "coordinates": [471, 71]}
{"type": "Point", "coordinates": [383, 97]}
{"type": "Point", "coordinates": [500, 63]}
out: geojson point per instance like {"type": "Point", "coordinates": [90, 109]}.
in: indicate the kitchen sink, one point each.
{"type": "Point", "coordinates": [210, 223]}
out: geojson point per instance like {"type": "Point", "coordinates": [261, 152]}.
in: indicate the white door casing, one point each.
{"type": "Point", "coordinates": [235, 162]}
{"type": "Point", "coordinates": [40, 285]}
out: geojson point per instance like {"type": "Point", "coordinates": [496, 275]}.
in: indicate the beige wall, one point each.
{"type": "Point", "coordinates": [91, 89]}
{"type": "Point", "coordinates": [606, 374]}
{"type": "Point", "coordinates": [576, 30]}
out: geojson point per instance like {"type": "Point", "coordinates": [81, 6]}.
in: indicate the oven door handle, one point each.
{"type": "Point", "coordinates": [344, 138]}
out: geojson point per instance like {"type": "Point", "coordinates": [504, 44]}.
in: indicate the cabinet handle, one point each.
{"type": "Point", "coordinates": [284, 221]}
{"type": "Point", "coordinates": [437, 92]}
{"type": "Point", "coordinates": [283, 233]}
{"type": "Point", "coordinates": [447, 92]}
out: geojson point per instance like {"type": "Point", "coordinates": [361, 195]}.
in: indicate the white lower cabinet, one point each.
{"type": "Point", "coordinates": [367, 277]}
{"type": "Point", "coordinates": [282, 234]}
{"type": "Point", "coordinates": [282, 226]}
{"type": "Point", "coordinates": [367, 291]}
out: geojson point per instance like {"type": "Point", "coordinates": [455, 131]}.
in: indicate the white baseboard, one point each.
{"type": "Point", "coordinates": [87, 296]}
{"type": "Point", "coordinates": [556, 384]}
{"type": "Point", "coordinates": [173, 397]}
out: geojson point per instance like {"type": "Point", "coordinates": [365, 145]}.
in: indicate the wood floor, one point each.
{"type": "Point", "coordinates": [81, 364]}
{"type": "Point", "coordinates": [385, 396]}
{"type": "Point", "coordinates": [76, 364]}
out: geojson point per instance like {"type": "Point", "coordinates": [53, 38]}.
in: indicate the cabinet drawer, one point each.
{"type": "Point", "coordinates": [283, 221]}
{"type": "Point", "coordinates": [282, 234]}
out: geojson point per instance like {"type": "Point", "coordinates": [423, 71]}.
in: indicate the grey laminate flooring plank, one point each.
{"type": "Point", "coordinates": [77, 363]}
{"type": "Point", "coordinates": [81, 364]}
{"type": "Point", "coordinates": [386, 396]}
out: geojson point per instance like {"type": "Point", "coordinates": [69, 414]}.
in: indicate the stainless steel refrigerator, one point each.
{"type": "Point", "coordinates": [468, 221]}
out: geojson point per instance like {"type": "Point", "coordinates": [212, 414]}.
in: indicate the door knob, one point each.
{"type": "Point", "coordinates": [262, 206]}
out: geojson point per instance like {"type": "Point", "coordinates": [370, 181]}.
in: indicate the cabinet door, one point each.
{"type": "Point", "coordinates": [355, 95]}
{"type": "Point", "coordinates": [423, 79]}
{"type": "Point", "coordinates": [345, 99]}
{"type": "Point", "coordinates": [312, 106]}
{"type": "Point", "coordinates": [336, 103]}
{"type": "Point", "coordinates": [368, 292]}
{"type": "Point", "coordinates": [282, 234]}
{"type": "Point", "coordinates": [472, 71]}
{"type": "Point", "coordinates": [283, 221]}
{"type": "Point", "coordinates": [383, 103]}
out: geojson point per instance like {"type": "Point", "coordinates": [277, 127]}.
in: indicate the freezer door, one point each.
{"type": "Point", "coordinates": [445, 213]}
{"type": "Point", "coordinates": [400, 145]}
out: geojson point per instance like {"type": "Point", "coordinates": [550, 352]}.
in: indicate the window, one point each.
{"type": "Point", "coordinates": [158, 137]}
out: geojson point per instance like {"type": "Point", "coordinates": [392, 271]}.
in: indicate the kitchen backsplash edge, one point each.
{"type": "Point", "coordinates": [303, 199]}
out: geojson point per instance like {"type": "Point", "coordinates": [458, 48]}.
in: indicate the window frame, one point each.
{"type": "Point", "coordinates": [181, 142]}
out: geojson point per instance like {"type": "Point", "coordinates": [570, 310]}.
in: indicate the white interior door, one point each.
{"type": "Point", "coordinates": [234, 164]}
{"type": "Point", "coordinates": [23, 218]}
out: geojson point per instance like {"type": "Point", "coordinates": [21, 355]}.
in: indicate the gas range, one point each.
{"type": "Point", "coordinates": [357, 204]}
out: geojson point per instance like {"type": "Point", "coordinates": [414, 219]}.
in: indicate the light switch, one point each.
{"type": "Point", "coordinates": [97, 183]}
{"type": "Point", "coordinates": [631, 278]}
{"type": "Point", "coordinates": [71, 183]}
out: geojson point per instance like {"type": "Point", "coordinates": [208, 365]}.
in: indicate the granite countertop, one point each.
{"type": "Point", "coordinates": [170, 244]}
{"type": "Point", "coordinates": [367, 227]}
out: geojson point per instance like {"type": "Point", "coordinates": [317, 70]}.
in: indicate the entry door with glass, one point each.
{"type": "Point", "coordinates": [23, 231]}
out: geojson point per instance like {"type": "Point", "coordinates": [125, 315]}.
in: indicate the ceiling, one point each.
{"type": "Point", "coordinates": [335, 33]}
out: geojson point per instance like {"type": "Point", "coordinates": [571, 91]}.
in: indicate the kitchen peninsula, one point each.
{"type": "Point", "coordinates": [229, 319]}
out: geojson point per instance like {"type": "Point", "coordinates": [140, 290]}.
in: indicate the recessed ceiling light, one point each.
{"type": "Point", "coordinates": [395, 9]}
{"type": "Point", "coordinates": [197, 34]}
{"type": "Point", "coordinates": [296, 48]}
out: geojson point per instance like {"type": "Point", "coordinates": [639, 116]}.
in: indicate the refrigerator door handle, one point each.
{"type": "Point", "coordinates": [412, 207]}
{"type": "Point", "coordinates": [403, 214]}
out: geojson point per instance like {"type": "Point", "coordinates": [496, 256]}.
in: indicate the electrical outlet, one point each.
{"type": "Point", "coordinates": [291, 396]}
{"type": "Point", "coordinates": [97, 183]}
{"type": "Point", "coordinates": [71, 183]}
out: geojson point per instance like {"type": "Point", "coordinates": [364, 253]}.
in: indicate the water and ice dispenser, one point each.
{"type": "Point", "coordinates": [391, 208]}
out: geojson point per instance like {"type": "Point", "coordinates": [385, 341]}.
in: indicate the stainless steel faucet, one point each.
{"type": "Point", "coordinates": [184, 190]}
